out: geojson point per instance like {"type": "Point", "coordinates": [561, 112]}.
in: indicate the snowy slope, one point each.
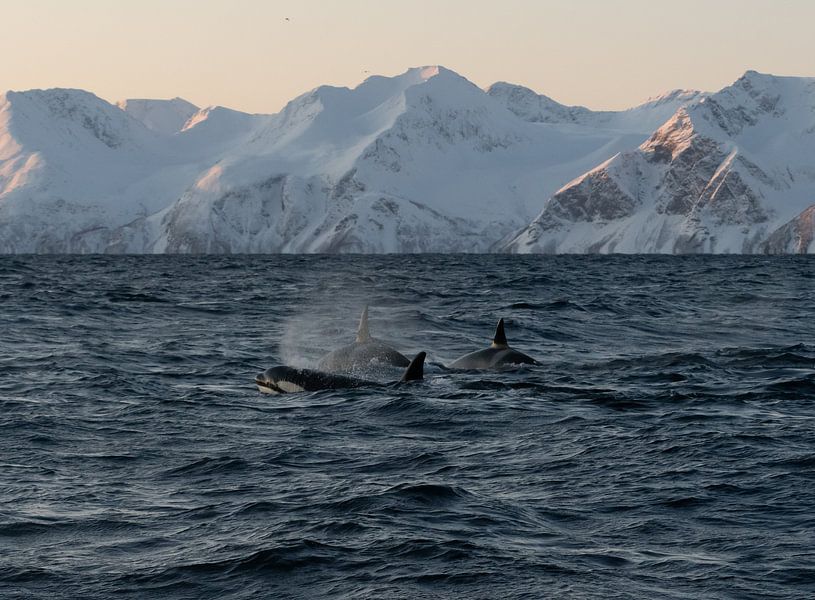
{"type": "Point", "coordinates": [64, 157]}
{"type": "Point", "coordinates": [164, 116]}
{"type": "Point", "coordinates": [795, 237]}
{"type": "Point", "coordinates": [644, 118]}
{"type": "Point", "coordinates": [730, 173]}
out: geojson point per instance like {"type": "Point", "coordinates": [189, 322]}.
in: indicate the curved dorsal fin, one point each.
{"type": "Point", "coordinates": [500, 338]}
{"type": "Point", "coordinates": [415, 370]}
{"type": "Point", "coordinates": [363, 335]}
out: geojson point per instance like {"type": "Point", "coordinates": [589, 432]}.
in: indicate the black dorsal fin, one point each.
{"type": "Point", "coordinates": [500, 338]}
{"type": "Point", "coordinates": [415, 370]}
{"type": "Point", "coordinates": [363, 335]}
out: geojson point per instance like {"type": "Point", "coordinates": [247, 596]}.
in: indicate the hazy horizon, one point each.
{"type": "Point", "coordinates": [256, 56]}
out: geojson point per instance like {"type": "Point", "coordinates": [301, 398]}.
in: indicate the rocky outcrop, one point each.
{"type": "Point", "coordinates": [725, 174]}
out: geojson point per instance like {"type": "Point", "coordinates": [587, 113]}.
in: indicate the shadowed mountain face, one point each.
{"type": "Point", "coordinates": [421, 162]}
{"type": "Point", "coordinates": [729, 173]}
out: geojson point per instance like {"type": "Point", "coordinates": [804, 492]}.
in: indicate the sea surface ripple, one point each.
{"type": "Point", "coordinates": [665, 448]}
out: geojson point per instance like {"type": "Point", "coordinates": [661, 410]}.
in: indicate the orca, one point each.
{"type": "Point", "coordinates": [365, 352]}
{"type": "Point", "coordinates": [287, 380]}
{"type": "Point", "coordinates": [498, 355]}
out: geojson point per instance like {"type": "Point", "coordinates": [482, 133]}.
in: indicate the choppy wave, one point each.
{"type": "Point", "coordinates": [665, 447]}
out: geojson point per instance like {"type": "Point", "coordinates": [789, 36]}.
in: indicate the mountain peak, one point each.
{"type": "Point", "coordinates": [673, 96]}
{"type": "Point", "coordinates": [227, 117]}
{"type": "Point", "coordinates": [428, 72]}
{"type": "Point", "coordinates": [79, 111]}
{"type": "Point", "coordinates": [754, 80]}
{"type": "Point", "coordinates": [423, 74]}
{"type": "Point", "coordinates": [751, 79]}
{"type": "Point", "coordinates": [753, 74]}
{"type": "Point", "coordinates": [164, 116]}
{"type": "Point", "coordinates": [55, 96]}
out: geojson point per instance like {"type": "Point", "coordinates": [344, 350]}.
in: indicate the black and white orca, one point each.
{"type": "Point", "coordinates": [364, 353]}
{"type": "Point", "coordinates": [497, 356]}
{"type": "Point", "coordinates": [287, 380]}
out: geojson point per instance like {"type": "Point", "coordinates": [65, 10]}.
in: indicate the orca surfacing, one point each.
{"type": "Point", "coordinates": [366, 351]}
{"type": "Point", "coordinates": [497, 356]}
{"type": "Point", "coordinates": [287, 380]}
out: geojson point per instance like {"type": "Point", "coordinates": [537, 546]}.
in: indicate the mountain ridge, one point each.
{"type": "Point", "coordinates": [421, 162]}
{"type": "Point", "coordinates": [722, 175]}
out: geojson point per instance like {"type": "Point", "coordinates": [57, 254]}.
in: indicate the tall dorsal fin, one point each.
{"type": "Point", "coordinates": [363, 335]}
{"type": "Point", "coordinates": [415, 370]}
{"type": "Point", "coordinates": [500, 338]}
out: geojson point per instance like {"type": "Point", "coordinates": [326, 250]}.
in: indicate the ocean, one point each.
{"type": "Point", "coordinates": [664, 448]}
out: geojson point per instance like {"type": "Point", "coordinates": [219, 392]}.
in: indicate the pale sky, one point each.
{"type": "Point", "coordinates": [244, 54]}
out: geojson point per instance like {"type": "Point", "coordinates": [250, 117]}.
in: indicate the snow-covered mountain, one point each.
{"type": "Point", "coordinates": [421, 162]}
{"type": "Point", "coordinates": [165, 116]}
{"type": "Point", "coordinates": [74, 168]}
{"type": "Point", "coordinates": [733, 173]}
{"type": "Point", "coordinates": [644, 118]}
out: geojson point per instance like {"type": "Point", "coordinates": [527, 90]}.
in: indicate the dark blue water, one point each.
{"type": "Point", "coordinates": [664, 449]}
